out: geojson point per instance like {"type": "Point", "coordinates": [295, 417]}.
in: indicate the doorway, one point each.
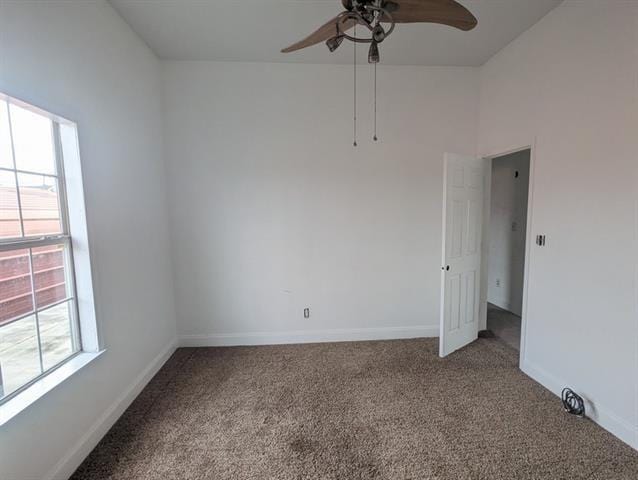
{"type": "Point", "coordinates": [505, 236]}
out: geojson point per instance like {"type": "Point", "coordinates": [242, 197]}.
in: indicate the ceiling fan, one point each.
{"type": "Point", "coordinates": [373, 14]}
{"type": "Point", "coordinates": [379, 17]}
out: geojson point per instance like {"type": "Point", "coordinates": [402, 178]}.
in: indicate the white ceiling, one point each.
{"type": "Point", "coordinates": [256, 30]}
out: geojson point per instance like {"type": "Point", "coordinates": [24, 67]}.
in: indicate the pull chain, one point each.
{"type": "Point", "coordinates": [375, 103]}
{"type": "Point", "coordinates": [355, 86]}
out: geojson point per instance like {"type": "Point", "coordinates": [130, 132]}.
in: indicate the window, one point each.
{"type": "Point", "coordinates": [39, 316]}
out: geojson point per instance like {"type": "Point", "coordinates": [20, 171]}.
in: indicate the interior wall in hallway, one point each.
{"type": "Point", "coordinates": [507, 230]}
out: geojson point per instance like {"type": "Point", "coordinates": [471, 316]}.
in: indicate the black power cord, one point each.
{"type": "Point", "coordinates": [572, 402]}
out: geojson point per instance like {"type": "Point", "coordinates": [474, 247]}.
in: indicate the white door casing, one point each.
{"type": "Point", "coordinates": [462, 235]}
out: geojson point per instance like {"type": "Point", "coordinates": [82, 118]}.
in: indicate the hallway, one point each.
{"type": "Point", "coordinates": [505, 325]}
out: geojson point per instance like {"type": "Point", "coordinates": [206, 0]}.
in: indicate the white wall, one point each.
{"type": "Point", "coordinates": [274, 210]}
{"type": "Point", "coordinates": [507, 229]}
{"type": "Point", "coordinates": [81, 61]}
{"type": "Point", "coordinates": [568, 85]}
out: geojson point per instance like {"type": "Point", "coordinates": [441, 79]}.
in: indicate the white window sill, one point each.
{"type": "Point", "coordinates": [39, 389]}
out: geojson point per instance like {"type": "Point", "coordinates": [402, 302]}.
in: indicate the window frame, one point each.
{"type": "Point", "coordinates": [64, 238]}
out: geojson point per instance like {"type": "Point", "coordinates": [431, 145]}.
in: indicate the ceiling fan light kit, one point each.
{"type": "Point", "coordinates": [367, 13]}
{"type": "Point", "coordinates": [373, 54]}
{"type": "Point", "coordinates": [379, 18]}
{"type": "Point", "coordinates": [333, 43]}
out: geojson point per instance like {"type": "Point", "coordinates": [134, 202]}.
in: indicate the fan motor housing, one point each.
{"type": "Point", "coordinates": [378, 34]}
{"type": "Point", "coordinates": [350, 5]}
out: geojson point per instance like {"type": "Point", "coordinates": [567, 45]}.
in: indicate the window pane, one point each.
{"type": "Point", "coordinates": [6, 159]}
{"type": "Point", "coordinates": [50, 274]}
{"type": "Point", "coordinates": [19, 357]}
{"type": "Point", "coordinates": [9, 214]}
{"type": "Point", "coordinates": [40, 205]}
{"type": "Point", "coordinates": [56, 334]}
{"type": "Point", "coordinates": [16, 298]}
{"type": "Point", "coordinates": [32, 140]}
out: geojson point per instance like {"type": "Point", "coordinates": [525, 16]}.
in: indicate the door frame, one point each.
{"type": "Point", "coordinates": [528, 239]}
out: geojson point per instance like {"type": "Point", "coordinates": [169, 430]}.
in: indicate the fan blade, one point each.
{"type": "Point", "coordinates": [323, 33]}
{"type": "Point", "coordinates": [446, 12]}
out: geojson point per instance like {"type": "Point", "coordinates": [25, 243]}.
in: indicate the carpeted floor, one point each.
{"type": "Point", "coordinates": [367, 410]}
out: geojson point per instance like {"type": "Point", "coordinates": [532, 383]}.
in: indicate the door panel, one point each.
{"type": "Point", "coordinates": [474, 217]}
{"type": "Point", "coordinates": [470, 302]}
{"type": "Point", "coordinates": [459, 222]}
{"type": "Point", "coordinates": [458, 177]}
{"type": "Point", "coordinates": [475, 178]}
{"type": "Point", "coordinates": [454, 302]}
{"type": "Point", "coordinates": [462, 230]}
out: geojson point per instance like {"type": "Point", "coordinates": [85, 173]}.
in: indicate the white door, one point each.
{"type": "Point", "coordinates": [461, 271]}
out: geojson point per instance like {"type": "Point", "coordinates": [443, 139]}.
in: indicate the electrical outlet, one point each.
{"type": "Point", "coordinates": [306, 313]}
{"type": "Point", "coordinates": [498, 282]}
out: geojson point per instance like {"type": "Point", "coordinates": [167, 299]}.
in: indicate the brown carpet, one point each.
{"type": "Point", "coordinates": [366, 410]}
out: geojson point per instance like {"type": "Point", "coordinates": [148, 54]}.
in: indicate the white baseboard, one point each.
{"type": "Point", "coordinates": [308, 336]}
{"type": "Point", "coordinates": [501, 303]}
{"type": "Point", "coordinates": [600, 414]}
{"type": "Point", "coordinates": [76, 455]}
